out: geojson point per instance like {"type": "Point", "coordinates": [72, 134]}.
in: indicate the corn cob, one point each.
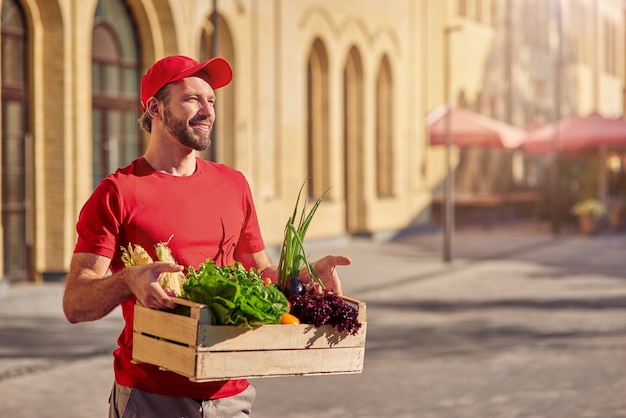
{"type": "Point", "coordinates": [137, 255]}
{"type": "Point", "coordinates": [164, 253]}
{"type": "Point", "coordinates": [169, 281]}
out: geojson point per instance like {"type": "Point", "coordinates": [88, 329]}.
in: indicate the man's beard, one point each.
{"type": "Point", "coordinates": [184, 133]}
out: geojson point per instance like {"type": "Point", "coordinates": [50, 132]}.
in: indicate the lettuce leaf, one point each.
{"type": "Point", "coordinates": [236, 296]}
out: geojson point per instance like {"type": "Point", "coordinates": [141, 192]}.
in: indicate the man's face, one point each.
{"type": "Point", "coordinates": [189, 112]}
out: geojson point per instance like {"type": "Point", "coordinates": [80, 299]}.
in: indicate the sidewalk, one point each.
{"type": "Point", "coordinates": [47, 364]}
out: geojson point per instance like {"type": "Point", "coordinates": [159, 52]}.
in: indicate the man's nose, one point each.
{"type": "Point", "coordinates": [207, 108]}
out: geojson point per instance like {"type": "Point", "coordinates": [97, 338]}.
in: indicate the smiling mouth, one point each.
{"type": "Point", "coordinates": [202, 126]}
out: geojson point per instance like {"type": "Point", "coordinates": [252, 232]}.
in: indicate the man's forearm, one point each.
{"type": "Point", "coordinates": [89, 299]}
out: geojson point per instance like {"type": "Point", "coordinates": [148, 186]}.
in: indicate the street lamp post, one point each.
{"type": "Point", "coordinates": [448, 215]}
{"type": "Point", "coordinates": [554, 168]}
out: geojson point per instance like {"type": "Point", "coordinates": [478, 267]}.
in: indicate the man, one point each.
{"type": "Point", "coordinates": [206, 209]}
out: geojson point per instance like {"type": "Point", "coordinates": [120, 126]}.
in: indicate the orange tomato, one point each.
{"type": "Point", "coordinates": [287, 318]}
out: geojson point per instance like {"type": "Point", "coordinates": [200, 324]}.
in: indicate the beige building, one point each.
{"type": "Point", "coordinates": [336, 92]}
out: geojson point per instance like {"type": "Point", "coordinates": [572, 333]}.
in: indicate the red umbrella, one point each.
{"type": "Point", "coordinates": [580, 134]}
{"type": "Point", "coordinates": [466, 129]}
{"type": "Point", "coordinates": [575, 133]}
{"type": "Point", "coordinates": [471, 129]}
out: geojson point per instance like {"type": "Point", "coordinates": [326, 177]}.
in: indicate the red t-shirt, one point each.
{"type": "Point", "coordinates": [209, 215]}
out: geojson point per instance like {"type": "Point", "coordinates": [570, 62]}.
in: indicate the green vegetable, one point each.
{"type": "Point", "coordinates": [235, 295]}
{"type": "Point", "coordinates": [292, 254]}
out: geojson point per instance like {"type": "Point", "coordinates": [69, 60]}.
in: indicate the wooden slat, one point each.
{"type": "Point", "coordinates": [174, 357]}
{"type": "Point", "coordinates": [276, 337]}
{"type": "Point", "coordinates": [208, 366]}
{"type": "Point", "coordinates": [250, 364]}
{"type": "Point", "coordinates": [166, 325]}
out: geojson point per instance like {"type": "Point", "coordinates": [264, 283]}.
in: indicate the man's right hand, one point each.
{"type": "Point", "coordinates": [143, 283]}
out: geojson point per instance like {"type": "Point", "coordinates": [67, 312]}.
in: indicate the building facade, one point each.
{"type": "Point", "coordinates": [332, 93]}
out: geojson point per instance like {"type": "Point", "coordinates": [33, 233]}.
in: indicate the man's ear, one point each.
{"type": "Point", "coordinates": [153, 108]}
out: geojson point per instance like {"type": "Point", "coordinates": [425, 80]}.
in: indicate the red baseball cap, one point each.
{"type": "Point", "coordinates": [177, 67]}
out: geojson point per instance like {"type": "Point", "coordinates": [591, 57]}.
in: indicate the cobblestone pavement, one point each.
{"type": "Point", "coordinates": [521, 324]}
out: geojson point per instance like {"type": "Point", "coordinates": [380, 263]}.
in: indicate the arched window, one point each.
{"type": "Point", "coordinates": [15, 150]}
{"type": "Point", "coordinates": [384, 130]}
{"type": "Point", "coordinates": [353, 140]}
{"type": "Point", "coordinates": [115, 81]}
{"type": "Point", "coordinates": [222, 147]}
{"type": "Point", "coordinates": [317, 117]}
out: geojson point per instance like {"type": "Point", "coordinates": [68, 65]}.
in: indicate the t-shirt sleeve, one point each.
{"type": "Point", "coordinates": [98, 225]}
{"type": "Point", "coordinates": [250, 240]}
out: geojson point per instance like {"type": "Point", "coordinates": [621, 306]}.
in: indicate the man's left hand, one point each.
{"type": "Point", "coordinates": [326, 269]}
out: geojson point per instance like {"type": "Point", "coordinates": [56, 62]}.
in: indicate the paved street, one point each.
{"type": "Point", "coordinates": [521, 324]}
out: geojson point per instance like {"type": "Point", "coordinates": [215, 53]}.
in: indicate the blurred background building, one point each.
{"type": "Point", "coordinates": [337, 92]}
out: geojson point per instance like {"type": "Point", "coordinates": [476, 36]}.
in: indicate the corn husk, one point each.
{"type": "Point", "coordinates": [135, 255]}
{"type": "Point", "coordinates": [169, 281]}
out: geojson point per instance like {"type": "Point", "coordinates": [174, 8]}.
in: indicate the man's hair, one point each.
{"type": "Point", "coordinates": [145, 121]}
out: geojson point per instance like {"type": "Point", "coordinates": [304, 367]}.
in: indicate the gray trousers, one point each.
{"type": "Point", "coordinates": [127, 402]}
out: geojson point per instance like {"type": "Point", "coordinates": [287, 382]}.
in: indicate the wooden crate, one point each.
{"type": "Point", "coordinates": [192, 347]}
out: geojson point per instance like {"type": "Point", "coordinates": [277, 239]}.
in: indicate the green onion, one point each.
{"type": "Point", "coordinates": [292, 254]}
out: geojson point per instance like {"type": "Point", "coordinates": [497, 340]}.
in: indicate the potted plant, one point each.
{"type": "Point", "coordinates": [588, 211]}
